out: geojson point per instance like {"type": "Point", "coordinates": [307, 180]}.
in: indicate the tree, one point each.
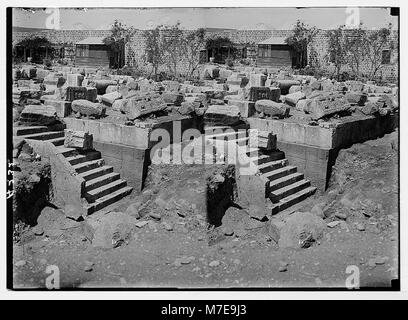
{"type": "Point", "coordinates": [337, 48]}
{"type": "Point", "coordinates": [120, 36]}
{"type": "Point", "coordinates": [194, 41]}
{"type": "Point", "coordinates": [32, 44]}
{"type": "Point", "coordinates": [354, 42]}
{"type": "Point", "coordinates": [173, 45]}
{"type": "Point", "coordinates": [218, 44]}
{"type": "Point", "coordinates": [376, 42]}
{"type": "Point", "coordinates": [154, 48]}
{"type": "Point", "coordinates": [299, 40]}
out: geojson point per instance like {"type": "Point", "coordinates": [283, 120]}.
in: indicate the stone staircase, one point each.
{"type": "Point", "coordinates": [285, 186]}
{"type": "Point", "coordinates": [103, 187]}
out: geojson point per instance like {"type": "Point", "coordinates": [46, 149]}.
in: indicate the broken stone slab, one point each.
{"type": "Point", "coordinates": [188, 107]}
{"type": "Point", "coordinates": [117, 104]}
{"type": "Point", "coordinates": [88, 108]}
{"type": "Point", "coordinates": [356, 98]}
{"type": "Point", "coordinates": [220, 87]}
{"type": "Point", "coordinates": [28, 72]}
{"type": "Point", "coordinates": [257, 80]}
{"type": "Point", "coordinates": [200, 98]}
{"type": "Point", "coordinates": [272, 108]}
{"type": "Point", "coordinates": [78, 139]}
{"type": "Point", "coordinates": [247, 108]}
{"type": "Point", "coordinates": [170, 85]}
{"type": "Point", "coordinates": [223, 115]}
{"type": "Point", "coordinates": [137, 107]}
{"type": "Point", "coordinates": [259, 93]}
{"type": "Point", "coordinates": [113, 230]}
{"type": "Point", "coordinates": [102, 84]}
{"type": "Point", "coordinates": [327, 85]}
{"type": "Point", "coordinates": [173, 97]}
{"type": "Point", "coordinates": [301, 230]}
{"type": "Point", "coordinates": [91, 94]}
{"type": "Point", "coordinates": [210, 72]}
{"type": "Point", "coordinates": [262, 139]}
{"type": "Point", "coordinates": [285, 85]}
{"type": "Point", "coordinates": [224, 73]}
{"type": "Point", "coordinates": [303, 104]}
{"type": "Point", "coordinates": [44, 115]}
{"type": "Point", "coordinates": [110, 98]}
{"type": "Point", "coordinates": [275, 94]}
{"type": "Point", "coordinates": [111, 88]}
{"type": "Point", "coordinates": [294, 89]}
{"type": "Point", "coordinates": [354, 85]}
{"type": "Point", "coordinates": [327, 105]}
{"type": "Point", "coordinates": [293, 98]}
{"type": "Point", "coordinates": [370, 108]}
{"type": "Point", "coordinates": [74, 80]}
{"type": "Point", "coordinates": [315, 85]}
{"type": "Point", "coordinates": [62, 107]}
{"type": "Point", "coordinates": [76, 93]}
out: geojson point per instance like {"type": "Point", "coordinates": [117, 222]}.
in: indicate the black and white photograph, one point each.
{"type": "Point", "coordinates": [203, 148]}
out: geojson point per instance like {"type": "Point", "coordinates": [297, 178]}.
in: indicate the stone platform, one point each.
{"type": "Point", "coordinates": [314, 149]}
{"type": "Point", "coordinates": [127, 148]}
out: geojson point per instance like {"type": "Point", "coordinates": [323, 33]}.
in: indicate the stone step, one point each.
{"type": "Point", "coordinates": [272, 165]}
{"type": "Point", "coordinates": [94, 173]}
{"type": "Point", "coordinates": [67, 152]}
{"type": "Point", "coordinates": [104, 190]}
{"type": "Point", "coordinates": [57, 141]}
{"type": "Point", "coordinates": [100, 181]}
{"type": "Point", "coordinates": [26, 130]}
{"type": "Point", "coordinates": [88, 165]}
{"type": "Point", "coordinates": [279, 173]}
{"type": "Point", "coordinates": [292, 199]}
{"type": "Point", "coordinates": [260, 158]}
{"type": "Point", "coordinates": [81, 158]}
{"type": "Point", "coordinates": [108, 199]}
{"type": "Point", "coordinates": [285, 181]}
{"type": "Point", "coordinates": [250, 151]}
{"type": "Point", "coordinates": [240, 141]}
{"type": "Point", "coordinates": [43, 135]}
{"type": "Point", "coordinates": [286, 191]}
{"type": "Point", "coordinates": [212, 128]}
{"type": "Point", "coordinates": [226, 135]}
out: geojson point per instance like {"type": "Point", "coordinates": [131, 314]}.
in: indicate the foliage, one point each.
{"type": "Point", "coordinates": [169, 46]}
{"type": "Point", "coordinates": [34, 42]}
{"type": "Point", "coordinates": [132, 71]}
{"type": "Point", "coordinates": [354, 43]}
{"type": "Point", "coordinates": [337, 48]}
{"type": "Point", "coordinates": [173, 45]}
{"type": "Point", "coordinates": [154, 51]}
{"type": "Point", "coordinates": [117, 40]}
{"type": "Point", "coordinates": [354, 47]}
{"type": "Point", "coordinates": [245, 62]}
{"type": "Point", "coordinates": [216, 44]}
{"type": "Point", "coordinates": [219, 42]}
{"type": "Point", "coordinates": [193, 43]}
{"type": "Point", "coordinates": [299, 40]}
{"type": "Point", "coordinates": [376, 41]}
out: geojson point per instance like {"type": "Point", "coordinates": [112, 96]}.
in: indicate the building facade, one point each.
{"type": "Point", "coordinates": [317, 55]}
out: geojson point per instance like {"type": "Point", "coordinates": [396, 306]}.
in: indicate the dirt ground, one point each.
{"type": "Point", "coordinates": [360, 208]}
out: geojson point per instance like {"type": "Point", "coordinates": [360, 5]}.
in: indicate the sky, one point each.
{"type": "Point", "coordinates": [192, 18]}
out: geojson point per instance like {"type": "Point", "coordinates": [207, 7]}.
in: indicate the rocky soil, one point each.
{"type": "Point", "coordinates": [161, 238]}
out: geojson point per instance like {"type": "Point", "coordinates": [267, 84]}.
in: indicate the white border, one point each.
{"type": "Point", "coordinates": [218, 295]}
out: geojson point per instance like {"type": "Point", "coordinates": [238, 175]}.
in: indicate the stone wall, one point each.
{"type": "Point", "coordinates": [318, 54]}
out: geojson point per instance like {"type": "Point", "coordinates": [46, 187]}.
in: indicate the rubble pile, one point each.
{"type": "Point", "coordinates": [258, 92]}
